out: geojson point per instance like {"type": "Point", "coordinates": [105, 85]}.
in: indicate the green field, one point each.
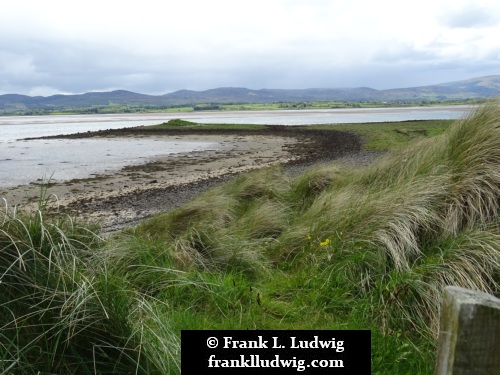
{"type": "Point", "coordinates": [136, 108]}
{"type": "Point", "coordinates": [333, 248]}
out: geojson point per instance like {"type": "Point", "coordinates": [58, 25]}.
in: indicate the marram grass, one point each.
{"type": "Point", "coordinates": [403, 211]}
{"type": "Point", "coordinates": [385, 222]}
{"type": "Point", "coordinates": [390, 236]}
{"type": "Point", "coordinates": [334, 248]}
{"type": "Point", "coordinates": [63, 311]}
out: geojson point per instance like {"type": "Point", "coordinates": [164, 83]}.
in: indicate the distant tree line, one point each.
{"type": "Point", "coordinates": [206, 107]}
{"type": "Point", "coordinates": [135, 108]}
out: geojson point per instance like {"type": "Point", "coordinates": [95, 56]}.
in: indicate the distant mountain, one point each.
{"type": "Point", "coordinates": [481, 87]}
{"type": "Point", "coordinates": [243, 95]}
{"type": "Point", "coordinates": [90, 99]}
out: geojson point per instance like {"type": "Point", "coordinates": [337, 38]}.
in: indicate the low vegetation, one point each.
{"type": "Point", "coordinates": [385, 136]}
{"type": "Point", "coordinates": [334, 248]}
{"type": "Point", "coordinates": [68, 109]}
{"type": "Point", "coordinates": [180, 123]}
{"type": "Point", "coordinates": [377, 136]}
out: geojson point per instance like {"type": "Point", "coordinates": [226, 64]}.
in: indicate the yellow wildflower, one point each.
{"type": "Point", "coordinates": [325, 242]}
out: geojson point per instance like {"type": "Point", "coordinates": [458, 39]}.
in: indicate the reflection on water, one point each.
{"type": "Point", "coordinates": [23, 162]}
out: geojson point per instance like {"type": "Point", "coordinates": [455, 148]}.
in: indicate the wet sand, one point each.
{"type": "Point", "coordinates": [140, 191]}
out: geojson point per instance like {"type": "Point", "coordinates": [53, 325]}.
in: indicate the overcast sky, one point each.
{"type": "Point", "coordinates": [157, 47]}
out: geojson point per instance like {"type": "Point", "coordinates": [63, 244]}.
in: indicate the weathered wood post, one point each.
{"type": "Point", "coordinates": [469, 333]}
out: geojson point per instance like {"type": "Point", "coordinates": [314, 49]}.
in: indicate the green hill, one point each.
{"type": "Point", "coordinates": [475, 88]}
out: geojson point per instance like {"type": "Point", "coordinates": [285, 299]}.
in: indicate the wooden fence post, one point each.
{"type": "Point", "coordinates": [469, 333]}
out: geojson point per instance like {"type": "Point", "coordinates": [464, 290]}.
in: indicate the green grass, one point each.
{"type": "Point", "coordinates": [333, 248]}
{"type": "Point", "coordinates": [384, 136]}
{"type": "Point", "coordinates": [335, 104]}
{"type": "Point", "coordinates": [112, 107]}
{"type": "Point", "coordinates": [381, 136]}
{"type": "Point", "coordinates": [184, 124]}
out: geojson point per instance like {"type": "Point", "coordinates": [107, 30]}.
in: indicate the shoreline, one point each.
{"type": "Point", "coordinates": [136, 192]}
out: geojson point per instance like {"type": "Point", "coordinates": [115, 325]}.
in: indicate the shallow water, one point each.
{"type": "Point", "coordinates": [23, 162]}
{"type": "Point", "coordinates": [17, 127]}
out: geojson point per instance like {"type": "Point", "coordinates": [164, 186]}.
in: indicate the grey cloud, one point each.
{"type": "Point", "coordinates": [76, 68]}
{"type": "Point", "coordinates": [469, 16]}
{"type": "Point", "coordinates": [72, 68]}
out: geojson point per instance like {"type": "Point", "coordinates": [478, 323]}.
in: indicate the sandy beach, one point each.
{"type": "Point", "coordinates": [139, 191]}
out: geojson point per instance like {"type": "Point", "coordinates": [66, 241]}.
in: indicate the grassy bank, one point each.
{"type": "Point", "coordinates": [385, 136]}
{"type": "Point", "coordinates": [334, 248]}
{"type": "Point", "coordinates": [378, 136]}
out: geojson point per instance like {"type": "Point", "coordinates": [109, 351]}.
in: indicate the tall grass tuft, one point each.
{"type": "Point", "coordinates": [227, 228]}
{"type": "Point", "coordinates": [60, 310]}
{"type": "Point", "coordinates": [418, 220]}
{"type": "Point", "coordinates": [474, 155]}
{"type": "Point", "coordinates": [393, 233]}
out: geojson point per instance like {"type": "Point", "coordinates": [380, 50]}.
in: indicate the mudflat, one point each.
{"type": "Point", "coordinates": [139, 191]}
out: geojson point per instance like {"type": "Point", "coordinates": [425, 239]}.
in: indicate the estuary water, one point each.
{"type": "Point", "coordinates": [26, 161]}
{"type": "Point", "coordinates": [17, 127]}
